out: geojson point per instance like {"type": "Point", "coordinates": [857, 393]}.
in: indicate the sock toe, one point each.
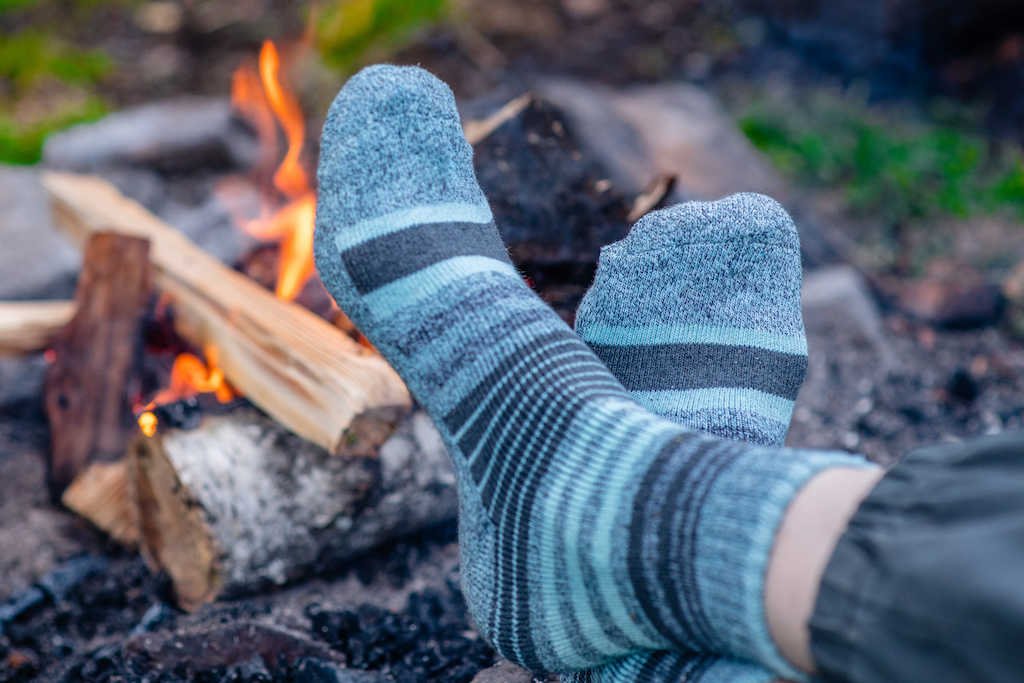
{"type": "Point", "coordinates": [746, 216]}
{"type": "Point", "coordinates": [732, 263]}
{"type": "Point", "coordinates": [393, 140]}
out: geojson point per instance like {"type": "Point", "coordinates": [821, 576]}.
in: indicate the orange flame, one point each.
{"type": "Point", "coordinates": [190, 376]}
{"type": "Point", "coordinates": [260, 96]}
{"type": "Point", "coordinates": [263, 98]}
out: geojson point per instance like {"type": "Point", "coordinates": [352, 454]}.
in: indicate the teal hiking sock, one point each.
{"type": "Point", "coordinates": [713, 279]}
{"type": "Point", "coordinates": [697, 313]}
{"type": "Point", "coordinates": [590, 528]}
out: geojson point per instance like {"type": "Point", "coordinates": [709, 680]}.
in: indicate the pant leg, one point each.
{"type": "Point", "coordinates": [927, 582]}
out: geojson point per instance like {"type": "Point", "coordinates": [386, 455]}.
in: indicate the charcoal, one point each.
{"type": "Point", "coordinates": [430, 640]}
{"type": "Point", "coordinates": [311, 670]}
{"type": "Point", "coordinates": [67, 576]}
{"type": "Point", "coordinates": [54, 587]}
{"type": "Point", "coordinates": [156, 617]}
{"type": "Point", "coordinates": [962, 386]}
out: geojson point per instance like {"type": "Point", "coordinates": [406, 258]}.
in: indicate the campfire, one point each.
{"type": "Point", "coordinates": [297, 465]}
{"type": "Point", "coordinates": [222, 418]}
{"type": "Point", "coordinates": [288, 215]}
{"type": "Point", "coordinates": [279, 441]}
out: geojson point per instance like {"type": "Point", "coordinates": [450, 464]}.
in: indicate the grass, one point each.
{"type": "Point", "coordinates": [37, 68]}
{"type": "Point", "coordinates": [32, 56]}
{"type": "Point", "coordinates": [22, 143]}
{"type": "Point", "coordinates": [899, 168]}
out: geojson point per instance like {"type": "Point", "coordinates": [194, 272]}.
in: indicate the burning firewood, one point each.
{"type": "Point", "coordinates": [31, 326]}
{"type": "Point", "coordinates": [92, 376]}
{"type": "Point", "coordinates": [240, 503]}
{"type": "Point", "coordinates": [302, 371]}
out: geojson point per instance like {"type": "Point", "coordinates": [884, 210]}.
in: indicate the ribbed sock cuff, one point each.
{"type": "Point", "coordinates": [739, 521]}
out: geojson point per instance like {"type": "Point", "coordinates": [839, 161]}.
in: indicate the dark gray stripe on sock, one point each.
{"type": "Point", "coordinates": [678, 574]}
{"type": "Point", "coordinates": [639, 531]}
{"type": "Point", "coordinates": [373, 264]}
{"type": "Point", "coordinates": [650, 668]}
{"type": "Point", "coordinates": [663, 367]}
{"type": "Point", "coordinates": [674, 530]}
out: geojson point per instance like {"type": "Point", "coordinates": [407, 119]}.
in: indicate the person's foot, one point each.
{"type": "Point", "coordinates": [589, 527]}
{"type": "Point", "coordinates": [697, 313]}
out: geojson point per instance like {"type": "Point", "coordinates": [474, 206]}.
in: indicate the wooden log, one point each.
{"type": "Point", "coordinates": [240, 503]}
{"type": "Point", "coordinates": [31, 326]}
{"type": "Point", "coordinates": [92, 379]}
{"type": "Point", "coordinates": [298, 368]}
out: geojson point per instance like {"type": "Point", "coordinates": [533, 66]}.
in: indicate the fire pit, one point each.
{"type": "Point", "coordinates": [254, 494]}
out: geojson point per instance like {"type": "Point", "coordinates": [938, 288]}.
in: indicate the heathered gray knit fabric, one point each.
{"type": "Point", "coordinates": [623, 288]}
{"type": "Point", "coordinates": [590, 528]}
{"type": "Point", "coordinates": [697, 313]}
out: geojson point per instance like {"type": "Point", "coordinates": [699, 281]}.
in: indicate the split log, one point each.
{"type": "Point", "coordinates": [31, 326]}
{"type": "Point", "coordinates": [298, 368]}
{"type": "Point", "coordinates": [91, 381]}
{"type": "Point", "coordinates": [240, 503]}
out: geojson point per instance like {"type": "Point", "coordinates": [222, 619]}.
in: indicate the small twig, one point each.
{"type": "Point", "coordinates": [651, 197]}
{"type": "Point", "coordinates": [478, 131]}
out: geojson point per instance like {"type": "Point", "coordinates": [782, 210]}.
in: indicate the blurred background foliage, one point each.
{"type": "Point", "coordinates": [347, 33]}
{"type": "Point", "coordinates": [51, 77]}
{"type": "Point", "coordinates": [892, 164]}
{"type": "Point", "coordinates": [67, 61]}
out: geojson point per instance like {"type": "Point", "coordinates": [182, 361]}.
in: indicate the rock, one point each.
{"type": "Point", "coordinates": [172, 135]}
{"type": "Point", "coordinates": [679, 129]}
{"type": "Point", "coordinates": [21, 386]}
{"type": "Point", "coordinates": [503, 672]}
{"type": "Point", "coordinates": [644, 133]}
{"type": "Point", "coordinates": [836, 301]}
{"type": "Point", "coordinates": [36, 262]}
{"type": "Point", "coordinates": [961, 301]}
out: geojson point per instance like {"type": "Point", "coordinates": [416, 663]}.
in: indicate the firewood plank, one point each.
{"type": "Point", "coordinates": [92, 378]}
{"type": "Point", "coordinates": [298, 368]}
{"type": "Point", "coordinates": [30, 326]}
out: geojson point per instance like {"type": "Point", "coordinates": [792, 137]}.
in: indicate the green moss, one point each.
{"type": "Point", "coordinates": [347, 31]}
{"type": "Point", "coordinates": [23, 143]}
{"type": "Point", "coordinates": [899, 168]}
{"type": "Point", "coordinates": [31, 56]}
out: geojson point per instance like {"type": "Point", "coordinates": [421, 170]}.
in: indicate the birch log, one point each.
{"type": "Point", "coordinates": [240, 503]}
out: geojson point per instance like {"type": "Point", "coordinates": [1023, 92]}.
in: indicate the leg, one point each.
{"type": "Point", "coordinates": [590, 528]}
{"type": "Point", "coordinates": [697, 312]}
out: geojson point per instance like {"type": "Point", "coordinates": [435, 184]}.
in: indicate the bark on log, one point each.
{"type": "Point", "coordinates": [298, 368]}
{"type": "Point", "coordinates": [92, 378]}
{"type": "Point", "coordinates": [240, 503]}
{"type": "Point", "coordinates": [31, 326]}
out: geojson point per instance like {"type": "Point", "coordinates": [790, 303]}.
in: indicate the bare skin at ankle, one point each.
{"type": "Point", "coordinates": [810, 530]}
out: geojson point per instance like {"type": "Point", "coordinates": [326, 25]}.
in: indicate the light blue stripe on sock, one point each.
{"type": "Point", "coordinates": [394, 296]}
{"type": "Point", "coordinates": [623, 335]}
{"type": "Point", "coordinates": [747, 400]}
{"type": "Point", "coordinates": [419, 215]}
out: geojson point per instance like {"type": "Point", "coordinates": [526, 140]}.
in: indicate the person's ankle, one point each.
{"type": "Point", "coordinates": [813, 524]}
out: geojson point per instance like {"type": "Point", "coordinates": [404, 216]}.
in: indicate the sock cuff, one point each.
{"type": "Point", "coordinates": [739, 521]}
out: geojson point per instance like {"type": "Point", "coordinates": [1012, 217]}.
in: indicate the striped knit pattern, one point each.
{"type": "Point", "coordinates": [737, 382]}
{"type": "Point", "coordinates": [589, 528]}
{"type": "Point", "coordinates": [674, 667]}
{"type": "Point", "coordinates": [697, 313]}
